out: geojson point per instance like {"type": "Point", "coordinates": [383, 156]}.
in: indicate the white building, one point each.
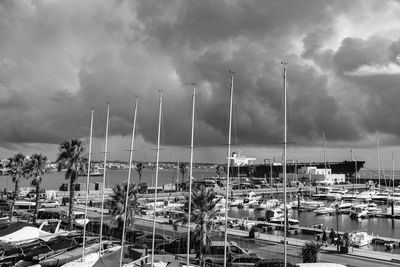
{"type": "Point", "coordinates": [321, 176]}
{"type": "Point", "coordinates": [239, 160]}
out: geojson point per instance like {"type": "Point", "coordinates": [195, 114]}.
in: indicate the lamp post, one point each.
{"type": "Point", "coordinates": [337, 226]}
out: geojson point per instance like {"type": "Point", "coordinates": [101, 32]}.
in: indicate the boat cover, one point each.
{"type": "Point", "coordinates": [13, 228]}
{"type": "Point", "coordinates": [113, 258]}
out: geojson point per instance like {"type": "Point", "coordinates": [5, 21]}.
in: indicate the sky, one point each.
{"type": "Point", "coordinates": [59, 59]}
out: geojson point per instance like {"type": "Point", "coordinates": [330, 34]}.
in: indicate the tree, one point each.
{"type": "Point", "coordinates": [35, 168]}
{"type": "Point", "coordinates": [183, 168]}
{"type": "Point", "coordinates": [203, 215]}
{"type": "Point", "coordinates": [118, 205]}
{"type": "Point", "coordinates": [139, 169]}
{"type": "Point", "coordinates": [71, 157]}
{"type": "Point", "coordinates": [16, 166]}
{"type": "Point", "coordinates": [251, 169]}
{"type": "Point", "coordinates": [310, 252]}
{"type": "Point", "coordinates": [219, 170]}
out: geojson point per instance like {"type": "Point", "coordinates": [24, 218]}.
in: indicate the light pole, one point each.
{"type": "Point", "coordinates": [337, 225]}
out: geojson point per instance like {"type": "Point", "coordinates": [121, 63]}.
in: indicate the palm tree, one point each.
{"type": "Point", "coordinates": [219, 170]}
{"type": "Point", "coordinates": [71, 157]}
{"type": "Point", "coordinates": [35, 168]}
{"type": "Point", "coordinates": [139, 169]}
{"type": "Point", "coordinates": [118, 205]}
{"type": "Point", "coordinates": [203, 215]}
{"type": "Point", "coordinates": [16, 166]}
{"type": "Point", "coordinates": [310, 252]}
{"type": "Point", "coordinates": [183, 169]}
{"type": "Point", "coordinates": [251, 169]}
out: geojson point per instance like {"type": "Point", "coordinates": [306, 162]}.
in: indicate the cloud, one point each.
{"type": "Point", "coordinates": [60, 58]}
{"type": "Point", "coordinates": [370, 70]}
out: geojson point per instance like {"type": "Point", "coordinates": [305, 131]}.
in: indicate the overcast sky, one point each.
{"type": "Point", "coordinates": [60, 58]}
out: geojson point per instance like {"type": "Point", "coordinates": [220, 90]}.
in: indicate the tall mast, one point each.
{"type": "Point", "coordinates": [156, 185]}
{"type": "Point", "coordinates": [87, 183]}
{"type": "Point", "coordinates": [190, 176]}
{"type": "Point", "coordinates": [227, 169]}
{"type": "Point", "coordinates": [378, 158]}
{"type": "Point", "coordinates": [284, 164]}
{"type": "Point", "coordinates": [323, 140]}
{"type": "Point", "coordinates": [393, 185]}
{"type": "Point", "coordinates": [104, 177]}
{"type": "Point", "coordinates": [128, 183]}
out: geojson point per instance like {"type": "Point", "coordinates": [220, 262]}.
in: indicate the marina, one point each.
{"type": "Point", "coordinates": [199, 133]}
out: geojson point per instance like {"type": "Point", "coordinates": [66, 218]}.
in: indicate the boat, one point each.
{"type": "Point", "coordinates": [360, 239]}
{"type": "Point", "coordinates": [273, 214]}
{"type": "Point", "coordinates": [366, 195]}
{"type": "Point", "coordinates": [396, 208]}
{"type": "Point", "coordinates": [373, 208]}
{"type": "Point", "coordinates": [265, 170]}
{"type": "Point", "coordinates": [251, 199]}
{"type": "Point", "coordinates": [359, 211]}
{"type": "Point", "coordinates": [20, 233]}
{"type": "Point", "coordinates": [381, 196]}
{"type": "Point", "coordinates": [66, 256]}
{"type": "Point", "coordinates": [325, 210]}
{"type": "Point", "coordinates": [267, 204]}
{"type": "Point", "coordinates": [292, 222]}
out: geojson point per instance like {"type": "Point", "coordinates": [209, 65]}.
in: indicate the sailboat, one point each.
{"type": "Point", "coordinates": [227, 172]}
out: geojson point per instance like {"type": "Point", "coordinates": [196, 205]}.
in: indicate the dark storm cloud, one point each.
{"type": "Point", "coordinates": [58, 59]}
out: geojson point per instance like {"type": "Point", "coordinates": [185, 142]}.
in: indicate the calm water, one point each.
{"type": "Point", "coordinates": [377, 226]}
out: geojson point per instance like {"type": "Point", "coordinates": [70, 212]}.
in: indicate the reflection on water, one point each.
{"type": "Point", "coordinates": [377, 226]}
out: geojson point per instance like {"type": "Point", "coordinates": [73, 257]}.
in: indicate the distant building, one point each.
{"type": "Point", "coordinates": [321, 176]}
{"type": "Point", "coordinates": [239, 160]}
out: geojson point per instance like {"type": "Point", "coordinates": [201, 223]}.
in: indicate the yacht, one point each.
{"type": "Point", "coordinates": [373, 208]}
{"type": "Point", "coordinates": [325, 210]}
{"type": "Point", "coordinates": [360, 239]}
{"type": "Point", "coordinates": [366, 195]}
{"type": "Point", "coordinates": [381, 196]}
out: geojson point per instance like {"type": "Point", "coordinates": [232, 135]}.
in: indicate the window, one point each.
{"type": "Point", "coordinates": [236, 250]}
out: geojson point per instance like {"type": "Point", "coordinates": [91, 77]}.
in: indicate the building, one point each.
{"type": "Point", "coordinates": [239, 160]}
{"type": "Point", "coordinates": [321, 176]}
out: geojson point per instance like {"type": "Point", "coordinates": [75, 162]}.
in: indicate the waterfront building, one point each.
{"type": "Point", "coordinates": [321, 176]}
{"type": "Point", "coordinates": [239, 160]}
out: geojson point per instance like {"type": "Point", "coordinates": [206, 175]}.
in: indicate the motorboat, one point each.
{"type": "Point", "coordinates": [292, 222]}
{"type": "Point", "coordinates": [366, 195]}
{"type": "Point", "coordinates": [267, 204]}
{"type": "Point", "coordinates": [273, 214]}
{"type": "Point", "coordinates": [360, 239]}
{"type": "Point", "coordinates": [20, 233]}
{"type": "Point", "coordinates": [251, 199]}
{"type": "Point", "coordinates": [373, 208]}
{"type": "Point", "coordinates": [381, 196]}
{"type": "Point", "coordinates": [325, 210]}
{"type": "Point", "coordinates": [359, 211]}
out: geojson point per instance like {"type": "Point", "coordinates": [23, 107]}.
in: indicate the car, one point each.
{"type": "Point", "coordinates": [215, 254]}
{"type": "Point", "coordinates": [78, 218]}
{"type": "Point", "coordinates": [176, 246]}
{"type": "Point", "coordinates": [242, 260]}
{"type": "Point", "coordinates": [272, 263]}
{"type": "Point", "coordinates": [147, 240]}
{"type": "Point", "coordinates": [44, 215]}
{"type": "Point", "coordinates": [50, 204]}
{"type": "Point", "coordinates": [94, 227]}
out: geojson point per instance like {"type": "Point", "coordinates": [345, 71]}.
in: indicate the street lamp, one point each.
{"type": "Point", "coordinates": [337, 225]}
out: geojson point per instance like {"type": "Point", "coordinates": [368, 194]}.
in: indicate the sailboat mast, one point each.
{"type": "Point", "coordinates": [190, 176]}
{"type": "Point", "coordinates": [323, 140]}
{"type": "Point", "coordinates": [87, 182]}
{"type": "Point", "coordinates": [128, 183]}
{"type": "Point", "coordinates": [104, 177]}
{"type": "Point", "coordinates": [378, 158]}
{"type": "Point", "coordinates": [156, 185]}
{"type": "Point", "coordinates": [227, 169]}
{"type": "Point", "coordinates": [284, 164]}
